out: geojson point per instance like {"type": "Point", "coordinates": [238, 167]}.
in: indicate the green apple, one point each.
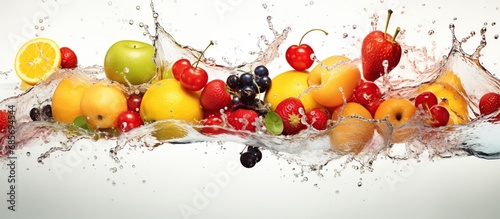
{"type": "Point", "coordinates": [130, 60]}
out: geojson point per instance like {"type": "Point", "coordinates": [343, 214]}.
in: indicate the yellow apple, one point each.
{"type": "Point", "coordinates": [332, 80]}
{"type": "Point", "coordinates": [398, 112]}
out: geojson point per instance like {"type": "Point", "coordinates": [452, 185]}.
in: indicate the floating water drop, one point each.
{"type": "Point", "coordinates": [138, 7]}
{"type": "Point", "coordinates": [431, 32]}
{"type": "Point", "coordinates": [264, 6]}
{"type": "Point", "coordinates": [110, 3]}
{"type": "Point", "coordinates": [131, 22]}
{"type": "Point", "coordinates": [28, 153]}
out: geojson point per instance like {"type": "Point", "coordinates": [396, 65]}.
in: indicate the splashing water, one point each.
{"type": "Point", "coordinates": [310, 148]}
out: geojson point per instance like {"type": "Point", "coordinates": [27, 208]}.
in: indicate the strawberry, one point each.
{"type": "Point", "coordinates": [288, 110]}
{"type": "Point", "coordinates": [68, 58]}
{"type": "Point", "coordinates": [317, 118]}
{"type": "Point", "coordinates": [377, 47]}
{"type": "Point", "coordinates": [214, 96]}
{"type": "Point", "coordinates": [212, 126]}
{"type": "Point", "coordinates": [4, 121]}
{"type": "Point", "coordinates": [490, 103]}
{"type": "Point", "coordinates": [243, 119]}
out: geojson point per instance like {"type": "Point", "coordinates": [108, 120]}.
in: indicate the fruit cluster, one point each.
{"type": "Point", "coordinates": [335, 95]}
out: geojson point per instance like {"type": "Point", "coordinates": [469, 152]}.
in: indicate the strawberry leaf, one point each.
{"type": "Point", "coordinates": [273, 123]}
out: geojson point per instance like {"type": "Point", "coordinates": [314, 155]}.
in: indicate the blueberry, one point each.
{"type": "Point", "coordinates": [261, 71]}
{"type": "Point", "coordinates": [248, 159]}
{"type": "Point", "coordinates": [246, 79]}
{"type": "Point", "coordinates": [35, 114]}
{"type": "Point", "coordinates": [233, 81]}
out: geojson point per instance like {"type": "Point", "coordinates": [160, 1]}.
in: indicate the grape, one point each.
{"type": "Point", "coordinates": [257, 153]}
{"type": "Point", "coordinates": [248, 159]}
{"type": "Point", "coordinates": [236, 101]}
{"type": "Point", "coordinates": [35, 114]}
{"type": "Point", "coordinates": [247, 94]}
{"type": "Point", "coordinates": [264, 83]}
{"type": "Point", "coordinates": [233, 81]}
{"type": "Point", "coordinates": [259, 106]}
{"type": "Point", "coordinates": [246, 79]}
{"type": "Point", "coordinates": [261, 71]}
{"type": "Point", "coordinates": [47, 112]}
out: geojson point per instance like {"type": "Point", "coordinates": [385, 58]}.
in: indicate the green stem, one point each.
{"type": "Point", "coordinates": [202, 54]}
{"type": "Point", "coordinates": [393, 40]}
{"type": "Point", "coordinates": [389, 13]}
{"type": "Point", "coordinates": [326, 33]}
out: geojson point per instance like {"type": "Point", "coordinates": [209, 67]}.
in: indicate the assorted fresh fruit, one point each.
{"type": "Point", "coordinates": [335, 95]}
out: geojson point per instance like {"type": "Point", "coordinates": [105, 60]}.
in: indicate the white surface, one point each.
{"type": "Point", "coordinates": [79, 184]}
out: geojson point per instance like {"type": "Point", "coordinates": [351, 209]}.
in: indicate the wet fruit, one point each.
{"type": "Point", "coordinates": [68, 58]}
{"type": "Point", "coordinates": [67, 98]}
{"type": "Point", "coordinates": [490, 103]}
{"type": "Point", "coordinates": [101, 104]}
{"type": "Point", "coordinates": [37, 59]}
{"type": "Point", "coordinates": [290, 112]}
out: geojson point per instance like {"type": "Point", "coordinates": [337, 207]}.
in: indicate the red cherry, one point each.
{"type": "Point", "coordinates": [426, 100]}
{"type": "Point", "coordinates": [367, 92]}
{"type": "Point", "coordinates": [134, 102]}
{"type": "Point", "coordinates": [194, 79]}
{"type": "Point", "coordinates": [127, 121]}
{"type": "Point", "coordinates": [373, 106]}
{"type": "Point", "coordinates": [178, 67]}
{"type": "Point", "coordinates": [212, 126]}
{"type": "Point", "coordinates": [440, 115]}
{"type": "Point", "coordinates": [299, 56]}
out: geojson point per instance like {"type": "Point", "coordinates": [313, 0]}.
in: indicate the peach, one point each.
{"type": "Point", "coordinates": [398, 112]}
{"type": "Point", "coordinates": [333, 80]}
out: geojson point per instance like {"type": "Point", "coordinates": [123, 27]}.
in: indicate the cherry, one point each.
{"type": "Point", "coordinates": [134, 102]}
{"type": "Point", "coordinates": [367, 92]}
{"type": "Point", "coordinates": [194, 78]}
{"type": "Point", "coordinates": [128, 120]}
{"type": "Point", "coordinates": [299, 56]}
{"type": "Point", "coordinates": [179, 66]}
{"type": "Point", "coordinates": [440, 115]}
{"type": "Point", "coordinates": [426, 99]}
{"type": "Point", "coordinates": [373, 106]}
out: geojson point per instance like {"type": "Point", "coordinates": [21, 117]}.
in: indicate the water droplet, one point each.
{"type": "Point", "coordinates": [493, 23]}
{"type": "Point", "coordinates": [126, 70]}
{"type": "Point", "coordinates": [110, 3]}
{"type": "Point", "coordinates": [133, 165]}
{"type": "Point", "coordinates": [42, 28]}
{"type": "Point", "coordinates": [108, 179]}
{"type": "Point", "coordinates": [311, 3]}
{"type": "Point", "coordinates": [264, 6]}
{"type": "Point", "coordinates": [155, 15]}
{"type": "Point", "coordinates": [113, 183]}
{"type": "Point", "coordinates": [28, 153]}
{"type": "Point", "coordinates": [305, 179]}
{"type": "Point", "coordinates": [141, 24]}
{"type": "Point", "coordinates": [40, 20]}
{"type": "Point", "coordinates": [496, 36]}
{"type": "Point", "coordinates": [138, 7]}
{"type": "Point", "coordinates": [354, 26]}
{"type": "Point", "coordinates": [345, 35]}
{"type": "Point", "coordinates": [113, 169]}
{"type": "Point", "coordinates": [473, 33]}
{"type": "Point", "coordinates": [131, 22]}
{"type": "Point", "coordinates": [337, 191]}
{"type": "Point", "coordinates": [360, 184]}
{"type": "Point", "coordinates": [431, 32]}
{"type": "Point", "coordinates": [143, 181]}
{"type": "Point", "coordinates": [121, 166]}
{"type": "Point", "coordinates": [31, 63]}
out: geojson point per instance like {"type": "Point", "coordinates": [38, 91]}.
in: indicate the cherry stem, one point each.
{"type": "Point", "coordinates": [393, 40]}
{"type": "Point", "coordinates": [202, 54]}
{"type": "Point", "coordinates": [389, 13]}
{"type": "Point", "coordinates": [326, 33]}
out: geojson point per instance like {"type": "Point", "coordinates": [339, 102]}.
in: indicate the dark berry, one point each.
{"type": "Point", "coordinates": [35, 114]}
{"type": "Point", "coordinates": [233, 81]}
{"type": "Point", "coordinates": [257, 153]}
{"type": "Point", "coordinates": [248, 159]}
{"type": "Point", "coordinates": [47, 112]}
{"type": "Point", "coordinates": [261, 71]}
{"type": "Point", "coordinates": [246, 79]}
{"type": "Point", "coordinates": [247, 94]}
{"type": "Point", "coordinates": [264, 83]}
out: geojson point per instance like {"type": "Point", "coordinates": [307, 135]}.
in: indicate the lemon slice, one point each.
{"type": "Point", "coordinates": [37, 59]}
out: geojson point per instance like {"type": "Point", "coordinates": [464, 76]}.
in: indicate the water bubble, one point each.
{"type": "Point", "coordinates": [264, 6]}
{"type": "Point", "coordinates": [354, 26]}
{"type": "Point", "coordinates": [155, 15]}
{"type": "Point", "coordinates": [133, 165]}
{"type": "Point", "coordinates": [108, 179]}
{"type": "Point", "coordinates": [311, 3]}
{"type": "Point", "coordinates": [493, 23]}
{"type": "Point", "coordinates": [496, 36]}
{"type": "Point", "coordinates": [36, 27]}
{"type": "Point", "coordinates": [113, 169]}
{"type": "Point", "coordinates": [42, 28]}
{"type": "Point", "coordinates": [28, 153]}
{"type": "Point", "coordinates": [113, 183]}
{"type": "Point", "coordinates": [110, 3]}
{"type": "Point", "coordinates": [138, 7]}
{"type": "Point", "coordinates": [131, 22]}
{"type": "Point", "coordinates": [345, 35]}
{"type": "Point", "coordinates": [126, 70]}
{"type": "Point", "coordinates": [337, 191]}
{"type": "Point", "coordinates": [360, 184]}
{"type": "Point", "coordinates": [40, 20]}
{"type": "Point", "coordinates": [121, 166]}
{"type": "Point", "coordinates": [143, 181]}
{"type": "Point", "coordinates": [431, 32]}
{"type": "Point", "coordinates": [141, 24]}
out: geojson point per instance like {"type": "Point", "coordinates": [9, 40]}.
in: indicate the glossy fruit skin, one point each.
{"type": "Point", "coordinates": [178, 67]}
{"type": "Point", "coordinates": [131, 60]}
{"type": "Point", "coordinates": [214, 96]}
{"type": "Point", "coordinates": [490, 103]}
{"type": "Point", "coordinates": [288, 110]}
{"type": "Point", "coordinates": [134, 102]}
{"type": "Point", "coordinates": [194, 79]}
{"type": "Point", "coordinates": [376, 48]}
{"type": "Point", "coordinates": [128, 120]}
{"type": "Point", "coordinates": [373, 106]}
{"type": "Point", "coordinates": [440, 115]}
{"type": "Point", "coordinates": [317, 118]}
{"type": "Point", "coordinates": [426, 100]}
{"type": "Point", "coordinates": [68, 58]}
{"type": "Point", "coordinates": [299, 57]}
{"type": "Point", "coordinates": [367, 92]}
{"type": "Point", "coordinates": [4, 121]}
{"type": "Point", "coordinates": [211, 126]}
{"type": "Point", "coordinates": [246, 115]}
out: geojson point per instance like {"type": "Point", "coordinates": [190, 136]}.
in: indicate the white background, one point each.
{"type": "Point", "coordinates": [156, 184]}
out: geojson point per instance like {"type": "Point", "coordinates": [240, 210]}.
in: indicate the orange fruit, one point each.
{"type": "Point", "coordinates": [37, 59]}
{"type": "Point", "coordinates": [167, 99]}
{"type": "Point", "coordinates": [101, 104]}
{"type": "Point", "coordinates": [334, 79]}
{"type": "Point", "coordinates": [399, 112]}
{"type": "Point", "coordinates": [351, 133]}
{"type": "Point", "coordinates": [67, 97]}
{"type": "Point", "coordinates": [290, 84]}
